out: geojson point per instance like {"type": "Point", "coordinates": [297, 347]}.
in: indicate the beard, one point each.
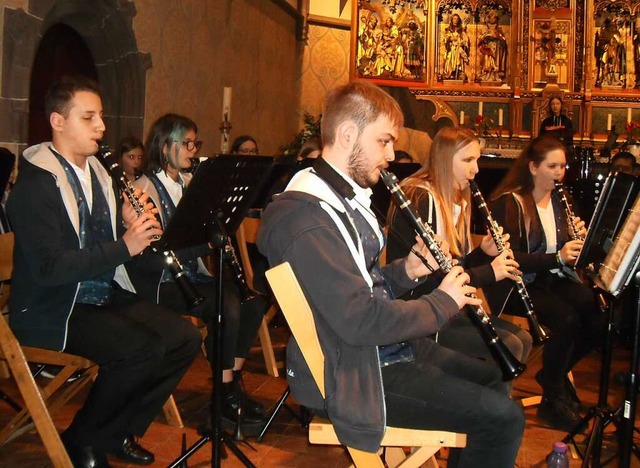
{"type": "Point", "coordinates": [358, 170]}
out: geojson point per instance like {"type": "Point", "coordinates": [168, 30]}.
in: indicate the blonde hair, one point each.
{"type": "Point", "coordinates": [437, 171]}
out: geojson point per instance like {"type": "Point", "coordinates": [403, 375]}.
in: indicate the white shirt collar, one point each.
{"type": "Point", "coordinates": [173, 188]}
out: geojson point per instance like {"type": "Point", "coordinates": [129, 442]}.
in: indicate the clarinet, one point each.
{"type": "Point", "coordinates": [568, 270]}
{"type": "Point", "coordinates": [187, 288]}
{"type": "Point", "coordinates": [238, 274]}
{"type": "Point", "coordinates": [507, 362]}
{"type": "Point", "coordinates": [537, 332]}
{"type": "Point", "coordinates": [568, 211]}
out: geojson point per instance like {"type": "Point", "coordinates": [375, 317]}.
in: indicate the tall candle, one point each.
{"type": "Point", "coordinates": [500, 117]}
{"type": "Point", "coordinates": [226, 103]}
{"type": "Point", "coordinates": [461, 117]}
{"type": "Point", "coordinates": [480, 108]}
{"type": "Point", "coordinates": [628, 114]}
{"type": "Point", "coordinates": [608, 122]}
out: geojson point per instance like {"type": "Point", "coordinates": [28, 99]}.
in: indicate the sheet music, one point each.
{"type": "Point", "coordinates": [622, 260]}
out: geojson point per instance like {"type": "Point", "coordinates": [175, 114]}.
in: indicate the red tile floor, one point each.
{"type": "Point", "coordinates": [285, 444]}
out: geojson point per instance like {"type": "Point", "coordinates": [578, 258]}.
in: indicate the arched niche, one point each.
{"type": "Point", "coordinates": [106, 28]}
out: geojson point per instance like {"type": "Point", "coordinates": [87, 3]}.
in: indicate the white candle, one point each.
{"type": "Point", "coordinates": [480, 108]}
{"type": "Point", "coordinates": [461, 117]}
{"type": "Point", "coordinates": [226, 103]}
{"type": "Point", "coordinates": [628, 114]}
{"type": "Point", "coordinates": [500, 117]}
{"type": "Point", "coordinates": [608, 122]}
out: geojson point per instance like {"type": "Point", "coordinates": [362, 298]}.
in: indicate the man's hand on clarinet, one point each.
{"type": "Point", "coordinates": [141, 233]}
{"type": "Point", "coordinates": [455, 284]}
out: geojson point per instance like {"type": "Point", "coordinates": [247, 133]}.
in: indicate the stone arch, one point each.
{"type": "Point", "coordinates": [106, 28]}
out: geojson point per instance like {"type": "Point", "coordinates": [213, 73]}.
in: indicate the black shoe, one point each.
{"type": "Point", "coordinates": [250, 405]}
{"type": "Point", "coordinates": [557, 414]}
{"type": "Point", "coordinates": [570, 396]}
{"type": "Point", "coordinates": [83, 456]}
{"type": "Point", "coordinates": [231, 402]}
{"type": "Point", "coordinates": [133, 452]}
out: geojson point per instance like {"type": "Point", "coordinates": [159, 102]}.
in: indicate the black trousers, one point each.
{"type": "Point", "coordinates": [240, 322]}
{"type": "Point", "coordinates": [570, 311]}
{"type": "Point", "coordinates": [446, 390]}
{"type": "Point", "coordinates": [143, 351]}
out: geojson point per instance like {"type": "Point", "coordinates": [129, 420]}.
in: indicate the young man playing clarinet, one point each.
{"type": "Point", "coordinates": [375, 346]}
{"type": "Point", "coordinates": [69, 288]}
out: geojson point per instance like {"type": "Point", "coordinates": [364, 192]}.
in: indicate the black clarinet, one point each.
{"type": "Point", "coordinates": [507, 362]}
{"type": "Point", "coordinates": [537, 332]}
{"type": "Point", "coordinates": [568, 270]}
{"type": "Point", "coordinates": [568, 211]}
{"type": "Point", "coordinates": [187, 288]}
{"type": "Point", "coordinates": [238, 273]}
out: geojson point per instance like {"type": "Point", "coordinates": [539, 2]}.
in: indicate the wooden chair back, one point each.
{"type": "Point", "coordinates": [246, 235]}
{"type": "Point", "coordinates": [297, 311]}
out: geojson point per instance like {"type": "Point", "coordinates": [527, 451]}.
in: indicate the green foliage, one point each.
{"type": "Point", "coordinates": [311, 128]}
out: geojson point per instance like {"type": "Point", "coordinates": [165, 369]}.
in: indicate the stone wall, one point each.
{"type": "Point", "coordinates": [158, 56]}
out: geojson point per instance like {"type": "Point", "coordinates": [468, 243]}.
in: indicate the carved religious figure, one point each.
{"type": "Point", "coordinates": [493, 50]}
{"type": "Point", "coordinates": [610, 55]}
{"type": "Point", "coordinates": [456, 45]}
{"type": "Point", "coordinates": [636, 52]}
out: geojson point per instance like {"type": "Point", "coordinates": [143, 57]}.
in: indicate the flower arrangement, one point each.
{"type": "Point", "coordinates": [633, 133]}
{"type": "Point", "coordinates": [311, 128]}
{"type": "Point", "coordinates": [483, 125]}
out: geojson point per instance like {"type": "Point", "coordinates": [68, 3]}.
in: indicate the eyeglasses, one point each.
{"type": "Point", "coordinates": [248, 151]}
{"type": "Point", "coordinates": [191, 145]}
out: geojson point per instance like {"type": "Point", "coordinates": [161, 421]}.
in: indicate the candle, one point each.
{"type": "Point", "coordinates": [500, 117]}
{"type": "Point", "coordinates": [461, 118]}
{"type": "Point", "coordinates": [628, 114]}
{"type": "Point", "coordinates": [608, 122]}
{"type": "Point", "coordinates": [226, 103]}
{"type": "Point", "coordinates": [480, 108]}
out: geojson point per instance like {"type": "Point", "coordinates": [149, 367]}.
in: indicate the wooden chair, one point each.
{"type": "Point", "coordinates": [248, 234]}
{"type": "Point", "coordinates": [40, 403]}
{"type": "Point", "coordinates": [425, 444]}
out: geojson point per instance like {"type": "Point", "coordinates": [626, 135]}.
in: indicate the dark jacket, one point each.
{"type": "Point", "coordinates": [477, 264]}
{"type": "Point", "coordinates": [48, 264]}
{"type": "Point", "coordinates": [146, 270]}
{"type": "Point", "coordinates": [304, 230]}
{"type": "Point", "coordinates": [528, 241]}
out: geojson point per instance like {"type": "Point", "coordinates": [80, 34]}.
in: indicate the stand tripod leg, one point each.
{"type": "Point", "coordinates": [629, 404]}
{"type": "Point", "coordinates": [279, 404]}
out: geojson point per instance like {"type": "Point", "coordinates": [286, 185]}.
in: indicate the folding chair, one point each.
{"type": "Point", "coordinates": [424, 444]}
{"type": "Point", "coordinates": [248, 234]}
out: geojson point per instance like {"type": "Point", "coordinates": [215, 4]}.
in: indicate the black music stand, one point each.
{"type": "Point", "coordinates": [619, 193]}
{"type": "Point", "coordinates": [220, 194]}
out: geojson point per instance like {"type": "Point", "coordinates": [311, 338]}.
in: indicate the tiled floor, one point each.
{"type": "Point", "coordinates": [285, 444]}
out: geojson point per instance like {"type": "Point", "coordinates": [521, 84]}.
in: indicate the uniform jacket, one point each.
{"type": "Point", "coordinates": [48, 262]}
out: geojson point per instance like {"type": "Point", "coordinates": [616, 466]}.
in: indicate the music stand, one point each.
{"type": "Point", "coordinates": [613, 274]}
{"type": "Point", "coordinates": [215, 203]}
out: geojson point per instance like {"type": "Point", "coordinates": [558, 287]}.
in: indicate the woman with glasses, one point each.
{"type": "Point", "coordinates": [244, 145]}
{"type": "Point", "coordinates": [172, 144]}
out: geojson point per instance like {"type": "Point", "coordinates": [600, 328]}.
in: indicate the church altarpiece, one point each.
{"type": "Point", "coordinates": [510, 56]}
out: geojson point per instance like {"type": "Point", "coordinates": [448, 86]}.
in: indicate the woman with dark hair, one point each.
{"type": "Point", "coordinates": [130, 156]}
{"type": "Point", "coordinates": [440, 193]}
{"type": "Point", "coordinates": [172, 144]}
{"type": "Point", "coordinates": [244, 145]}
{"type": "Point", "coordinates": [557, 124]}
{"type": "Point", "coordinates": [528, 207]}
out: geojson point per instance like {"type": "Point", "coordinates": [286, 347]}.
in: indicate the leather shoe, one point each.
{"type": "Point", "coordinates": [83, 456]}
{"type": "Point", "coordinates": [133, 452]}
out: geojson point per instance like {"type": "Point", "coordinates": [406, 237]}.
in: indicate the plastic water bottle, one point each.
{"type": "Point", "coordinates": [558, 458]}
